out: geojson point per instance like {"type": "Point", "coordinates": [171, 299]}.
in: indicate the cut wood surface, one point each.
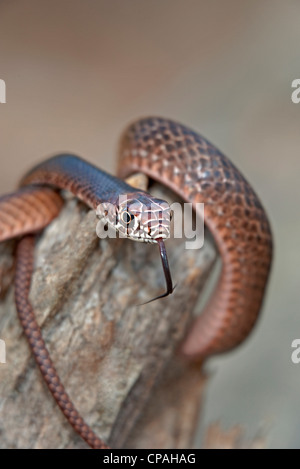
{"type": "Point", "coordinates": [118, 361]}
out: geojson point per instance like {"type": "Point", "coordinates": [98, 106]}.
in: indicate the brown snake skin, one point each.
{"type": "Point", "coordinates": [196, 170]}
{"type": "Point", "coordinates": [192, 167]}
{"type": "Point", "coordinates": [24, 269]}
{"type": "Point", "coordinates": [27, 211]}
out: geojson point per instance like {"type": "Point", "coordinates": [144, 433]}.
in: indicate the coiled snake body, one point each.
{"type": "Point", "coordinates": [181, 159]}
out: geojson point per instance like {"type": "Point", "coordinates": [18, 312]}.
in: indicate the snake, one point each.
{"type": "Point", "coordinates": [192, 167]}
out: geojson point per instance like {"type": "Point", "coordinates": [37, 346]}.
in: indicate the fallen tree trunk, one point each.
{"type": "Point", "coordinates": [117, 360]}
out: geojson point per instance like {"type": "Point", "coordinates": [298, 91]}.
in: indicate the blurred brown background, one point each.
{"type": "Point", "coordinates": [77, 72]}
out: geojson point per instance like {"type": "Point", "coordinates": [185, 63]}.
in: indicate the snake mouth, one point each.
{"type": "Point", "coordinates": [165, 264]}
{"type": "Point", "coordinates": [162, 234]}
{"type": "Point", "coordinates": [141, 236]}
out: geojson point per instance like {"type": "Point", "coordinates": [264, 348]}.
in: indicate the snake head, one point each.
{"type": "Point", "coordinates": [141, 217]}
{"type": "Point", "coordinates": [137, 216]}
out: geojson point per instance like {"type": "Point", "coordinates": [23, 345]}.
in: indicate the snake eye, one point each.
{"type": "Point", "coordinates": [126, 217]}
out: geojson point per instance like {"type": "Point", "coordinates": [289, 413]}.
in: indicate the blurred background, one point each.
{"type": "Point", "coordinates": [77, 72]}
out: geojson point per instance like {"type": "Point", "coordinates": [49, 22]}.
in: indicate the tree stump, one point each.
{"type": "Point", "coordinates": [118, 361]}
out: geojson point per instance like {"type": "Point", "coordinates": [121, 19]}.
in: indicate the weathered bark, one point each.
{"type": "Point", "coordinates": [117, 360]}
